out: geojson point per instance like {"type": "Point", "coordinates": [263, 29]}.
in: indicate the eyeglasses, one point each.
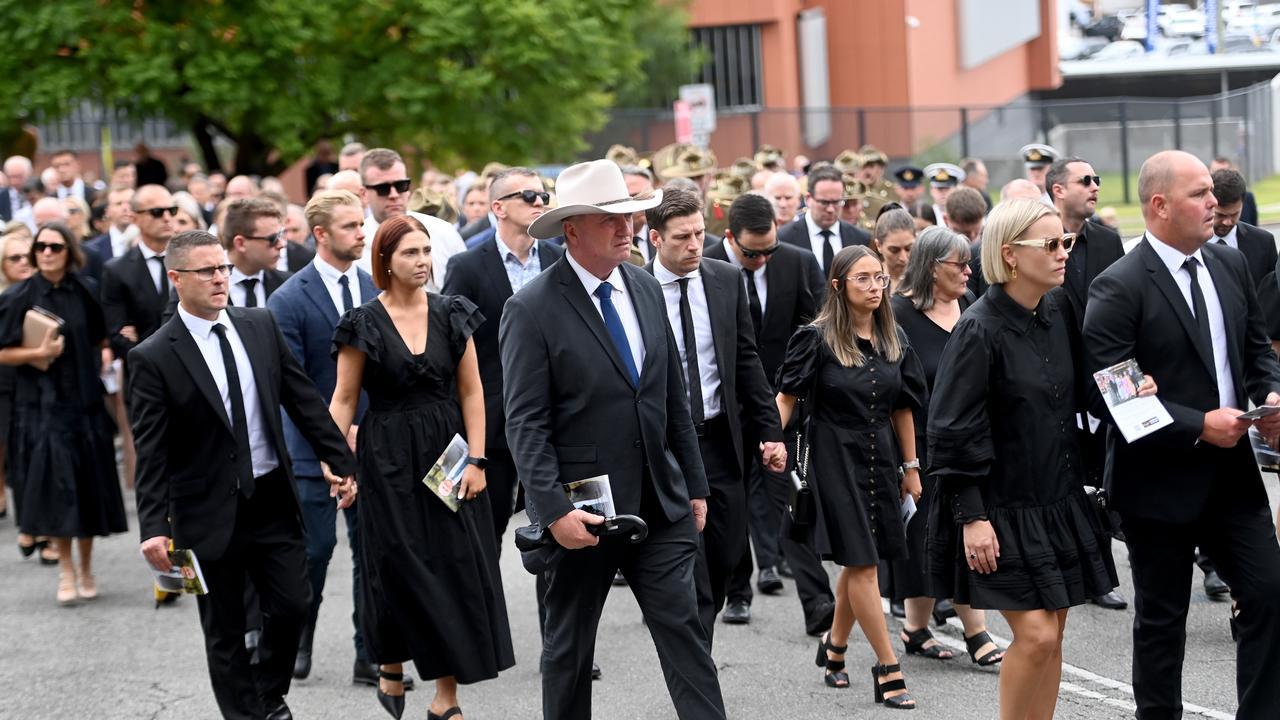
{"type": "Point", "coordinates": [1087, 180]}
{"type": "Point", "coordinates": [750, 254]}
{"type": "Point", "coordinates": [529, 196]}
{"type": "Point", "coordinates": [206, 273]}
{"type": "Point", "coordinates": [827, 203]}
{"type": "Point", "coordinates": [15, 258]}
{"type": "Point", "coordinates": [39, 247]}
{"type": "Point", "coordinates": [1049, 244]}
{"type": "Point", "coordinates": [863, 281]}
{"type": "Point", "coordinates": [270, 240]}
{"type": "Point", "coordinates": [159, 212]}
{"type": "Point", "coordinates": [384, 189]}
{"type": "Point", "coordinates": [957, 264]}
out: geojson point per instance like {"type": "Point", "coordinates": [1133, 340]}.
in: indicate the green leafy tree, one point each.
{"type": "Point", "coordinates": [670, 58]}
{"type": "Point", "coordinates": [469, 81]}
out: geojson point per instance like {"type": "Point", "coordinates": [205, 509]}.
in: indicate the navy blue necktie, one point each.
{"type": "Point", "coordinates": [347, 302]}
{"type": "Point", "coordinates": [613, 323]}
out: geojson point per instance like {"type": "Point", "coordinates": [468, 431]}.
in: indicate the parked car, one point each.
{"type": "Point", "coordinates": [1121, 50]}
{"type": "Point", "coordinates": [1108, 26]}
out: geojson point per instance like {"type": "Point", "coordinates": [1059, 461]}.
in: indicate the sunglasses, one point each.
{"type": "Point", "coordinates": [750, 254]}
{"type": "Point", "coordinates": [384, 189]}
{"type": "Point", "coordinates": [159, 212]}
{"type": "Point", "coordinates": [39, 247]}
{"type": "Point", "coordinates": [206, 273]}
{"type": "Point", "coordinates": [15, 258]}
{"type": "Point", "coordinates": [1087, 180]}
{"type": "Point", "coordinates": [529, 196]}
{"type": "Point", "coordinates": [1050, 244]}
{"type": "Point", "coordinates": [957, 264]}
{"type": "Point", "coordinates": [270, 240]}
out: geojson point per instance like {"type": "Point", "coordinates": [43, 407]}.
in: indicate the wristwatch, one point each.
{"type": "Point", "coordinates": [480, 462]}
{"type": "Point", "coordinates": [911, 465]}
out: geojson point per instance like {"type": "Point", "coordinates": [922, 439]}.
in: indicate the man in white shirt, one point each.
{"type": "Point", "coordinates": [70, 184]}
{"type": "Point", "coordinates": [252, 232]}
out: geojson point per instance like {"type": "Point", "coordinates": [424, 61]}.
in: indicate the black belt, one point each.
{"type": "Point", "coordinates": [705, 427]}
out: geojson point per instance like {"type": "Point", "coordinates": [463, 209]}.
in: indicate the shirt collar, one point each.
{"type": "Point", "coordinates": [1020, 318]}
{"type": "Point", "coordinates": [201, 328]}
{"type": "Point", "coordinates": [505, 252]}
{"type": "Point", "coordinates": [666, 277]}
{"type": "Point", "coordinates": [1232, 238]}
{"type": "Point", "coordinates": [1172, 257]}
{"type": "Point", "coordinates": [591, 282]}
{"type": "Point", "coordinates": [814, 229]}
{"type": "Point", "coordinates": [331, 273]}
{"type": "Point", "coordinates": [729, 253]}
{"type": "Point", "coordinates": [237, 276]}
{"type": "Point", "coordinates": [147, 252]}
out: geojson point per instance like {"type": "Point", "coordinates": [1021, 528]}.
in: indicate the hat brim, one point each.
{"type": "Point", "coordinates": [548, 225]}
{"type": "Point", "coordinates": [680, 172]}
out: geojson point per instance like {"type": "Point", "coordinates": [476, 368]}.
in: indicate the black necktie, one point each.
{"type": "Point", "coordinates": [164, 278]}
{"type": "Point", "coordinates": [239, 423]}
{"type": "Point", "coordinates": [1222, 241]}
{"type": "Point", "coordinates": [250, 296]}
{"type": "Point", "coordinates": [827, 252]}
{"type": "Point", "coordinates": [1198, 306]}
{"type": "Point", "coordinates": [691, 355]}
{"type": "Point", "coordinates": [753, 301]}
{"type": "Point", "coordinates": [347, 302]}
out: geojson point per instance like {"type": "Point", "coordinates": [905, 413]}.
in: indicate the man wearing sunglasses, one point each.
{"type": "Point", "coordinates": [820, 230]}
{"type": "Point", "coordinates": [385, 192]}
{"type": "Point", "coordinates": [1073, 184]}
{"type": "Point", "coordinates": [135, 289]}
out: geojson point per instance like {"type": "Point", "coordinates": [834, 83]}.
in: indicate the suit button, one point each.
{"type": "Point", "coordinates": [635, 444]}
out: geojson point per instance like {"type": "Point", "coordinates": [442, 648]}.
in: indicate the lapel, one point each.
{"type": "Point", "coordinates": [315, 291]}
{"type": "Point", "coordinates": [576, 295]}
{"type": "Point", "coordinates": [249, 331]}
{"type": "Point", "coordinates": [496, 272]}
{"type": "Point", "coordinates": [184, 346]}
{"type": "Point", "coordinates": [722, 312]}
{"type": "Point", "coordinates": [1169, 288]}
{"type": "Point", "coordinates": [142, 282]}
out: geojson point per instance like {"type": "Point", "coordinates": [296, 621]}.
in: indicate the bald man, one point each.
{"type": "Point", "coordinates": [784, 192]}
{"type": "Point", "coordinates": [1020, 188]}
{"type": "Point", "coordinates": [1186, 311]}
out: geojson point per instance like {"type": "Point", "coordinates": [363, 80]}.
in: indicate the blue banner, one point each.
{"type": "Point", "coordinates": [1211, 26]}
{"type": "Point", "coordinates": [1153, 10]}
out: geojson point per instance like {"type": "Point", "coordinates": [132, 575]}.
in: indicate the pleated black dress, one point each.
{"type": "Point", "coordinates": [853, 453]}
{"type": "Point", "coordinates": [901, 579]}
{"type": "Point", "coordinates": [432, 592]}
{"type": "Point", "coordinates": [61, 459]}
{"type": "Point", "coordinates": [1002, 444]}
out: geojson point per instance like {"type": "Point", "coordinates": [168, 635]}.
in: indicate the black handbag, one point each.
{"type": "Point", "coordinates": [801, 505]}
{"type": "Point", "coordinates": [1108, 519]}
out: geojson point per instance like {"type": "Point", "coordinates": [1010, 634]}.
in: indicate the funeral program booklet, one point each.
{"type": "Point", "coordinates": [185, 575]}
{"type": "Point", "coordinates": [1135, 416]}
{"type": "Point", "coordinates": [445, 476]}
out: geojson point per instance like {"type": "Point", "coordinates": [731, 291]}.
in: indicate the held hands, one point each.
{"type": "Point", "coordinates": [130, 333]}
{"type": "Point", "coordinates": [156, 552]}
{"type": "Point", "coordinates": [473, 483]}
{"type": "Point", "coordinates": [911, 484]}
{"type": "Point", "coordinates": [981, 547]}
{"type": "Point", "coordinates": [570, 530]}
{"type": "Point", "coordinates": [773, 455]}
{"type": "Point", "coordinates": [699, 506]}
{"type": "Point", "coordinates": [351, 437]}
{"type": "Point", "coordinates": [344, 489]}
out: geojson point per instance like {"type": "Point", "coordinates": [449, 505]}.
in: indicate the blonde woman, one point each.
{"type": "Point", "coordinates": [1012, 529]}
{"type": "Point", "coordinates": [860, 382]}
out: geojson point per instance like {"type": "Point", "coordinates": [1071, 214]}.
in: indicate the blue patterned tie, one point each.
{"type": "Point", "coordinates": [613, 323]}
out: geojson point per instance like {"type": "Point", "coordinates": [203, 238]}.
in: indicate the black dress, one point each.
{"type": "Point", "coordinates": [901, 579]}
{"type": "Point", "coordinates": [1002, 444]}
{"type": "Point", "coordinates": [853, 454]}
{"type": "Point", "coordinates": [61, 459]}
{"type": "Point", "coordinates": [431, 592]}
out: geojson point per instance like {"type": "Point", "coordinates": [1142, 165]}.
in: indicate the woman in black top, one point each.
{"type": "Point", "coordinates": [933, 293]}
{"type": "Point", "coordinates": [1012, 529]}
{"type": "Point", "coordinates": [60, 454]}
{"type": "Point", "coordinates": [860, 381]}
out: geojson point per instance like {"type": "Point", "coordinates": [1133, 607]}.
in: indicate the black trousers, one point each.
{"type": "Point", "coordinates": [659, 572]}
{"type": "Point", "coordinates": [724, 538]}
{"type": "Point", "coordinates": [267, 545]}
{"type": "Point", "coordinates": [1241, 540]}
{"type": "Point", "coordinates": [501, 485]}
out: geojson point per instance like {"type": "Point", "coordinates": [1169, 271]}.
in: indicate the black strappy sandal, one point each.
{"type": "Point", "coordinates": [836, 676]}
{"type": "Point", "coordinates": [393, 704]}
{"type": "Point", "coordinates": [902, 701]}
{"type": "Point", "coordinates": [915, 643]}
{"type": "Point", "coordinates": [975, 644]}
{"type": "Point", "coordinates": [455, 710]}
{"type": "Point", "coordinates": [942, 611]}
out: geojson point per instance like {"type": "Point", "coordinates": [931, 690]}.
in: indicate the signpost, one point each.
{"type": "Point", "coordinates": [701, 102]}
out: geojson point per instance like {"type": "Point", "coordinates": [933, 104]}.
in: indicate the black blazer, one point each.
{"type": "Point", "coordinates": [1102, 248]}
{"type": "Point", "coordinates": [796, 292]}
{"type": "Point", "coordinates": [6, 206]}
{"type": "Point", "coordinates": [297, 256]}
{"type": "Point", "coordinates": [746, 395]}
{"type": "Point", "coordinates": [129, 297]}
{"type": "Point", "coordinates": [479, 275]}
{"type": "Point", "coordinates": [186, 481]}
{"type": "Point", "coordinates": [796, 233]}
{"type": "Point", "coordinates": [476, 227]}
{"type": "Point", "coordinates": [1137, 311]}
{"type": "Point", "coordinates": [272, 279]}
{"type": "Point", "coordinates": [572, 412]}
{"type": "Point", "coordinates": [1259, 248]}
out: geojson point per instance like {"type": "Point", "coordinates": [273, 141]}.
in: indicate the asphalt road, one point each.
{"type": "Point", "coordinates": [117, 657]}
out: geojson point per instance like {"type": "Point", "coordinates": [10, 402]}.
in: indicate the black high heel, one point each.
{"type": "Point", "coordinates": [915, 642]}
{"type": "Point", "coordinates": [942, 611]}
{"type": "Point", "coordinates": [455, 710]}
{"type": "Point", "coordinates": [393, 704]}
{"type": "Point", "coordinates": [975, 643]}
{"type": "Point", "coordinates": [903, 701]}
{"type": "Point", "coordinates": [835, 676]}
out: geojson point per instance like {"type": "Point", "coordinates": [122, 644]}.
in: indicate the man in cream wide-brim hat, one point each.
{"type": "Point", "coordinates": [592, 385]}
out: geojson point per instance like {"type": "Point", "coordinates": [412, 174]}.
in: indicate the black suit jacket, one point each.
{"type": "Point", "coordinates": [796, 233]}
{"type": "Point", "coordinates": [186, 479]}
{"type": "Point", "coordinates": [1137, 311]}
{"type": "Point", "coordinates": [796, 291]}
{"type": "Point", "coordinates": [476, 227]}
{"type": "Point", "coordinates": [1259, 248]}
{"type": "Point", "coordinates": [6, 207]}
{"type": "Point", "coordinates": [1102, 247]}
{"type": "Point", "coordinates": [297, 256]}
{"type": "Point", "coordinates": [272, 279]}
{"type": "Point", "coordinates": [746, 395]}
{"type": "Point", "coordinates": [480, 276]}
{"type": "Point", "coordinates": [129, 297]}
{"type": "Point", "coordinates": [572, 412]}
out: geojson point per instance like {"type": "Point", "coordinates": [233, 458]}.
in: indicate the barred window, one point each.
{"type": "Point", "coordinates": [733, 64]}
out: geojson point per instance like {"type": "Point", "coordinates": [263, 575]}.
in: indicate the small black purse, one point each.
{"type": "Point", "coordinates": [1108, 519]}
{"type": "Point", "coordinates": [801, 505]}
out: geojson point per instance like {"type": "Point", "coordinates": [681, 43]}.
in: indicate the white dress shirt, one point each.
{"type": "Point", "coordinates": [761, 277]}
{"type": "Point", "coordinates": [445, 243]}
{"type": "Point", "coordinates": [1230, 238]}
{"type": "Point", "coordinates": [237, 293]}
{"type": "Point", "coordinates": [120, 239]}
{"type": "Point", "coordinates": [815, 239]}
{"type": "Point", "coordinates": [264, 456]}
{"type": "Point", "coordinates": [708, 369]}
{"type": "Point", "coordinates": [156, 267]}
{"type": "Point", "coordinates": [621, 302]}
{"type": "Point", "coordinates": [330, 274]}
{"type": "Point", "coordinates": [76, 189]}
{"type": "Point", "coordinates": [1173, 259]}
{"type": "Point", "coordinates": [646, 247]}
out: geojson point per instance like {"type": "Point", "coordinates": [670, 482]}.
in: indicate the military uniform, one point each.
{"type": "Point", "coordinates": [943, 178]}
{"type": "Point", "coordinates": [855, 204]}
{"type": "Point", "coordinates": [725, 187]}
{"type": "Point", "coordinates": [1036, 158]}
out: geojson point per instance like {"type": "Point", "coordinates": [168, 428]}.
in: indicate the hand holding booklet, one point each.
{"type": "Point", "coordinates": [185, 575]}
{"type": "Point", "coordinates": [444, 479]}
{"type": "Point", "coordinates": [1134, 416]}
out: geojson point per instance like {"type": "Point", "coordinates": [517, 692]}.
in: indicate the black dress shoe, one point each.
{"type": "Point", "coordinates": [897, 609]}
{"type": "Point", "coordinates": [819, 621]}
{"type": "Point", "coordinates": [1111, 601]}
{"type": "Point", "coordinates": [596, 674]}
{"type": "Point", "coordinates": [769, 582]}
{"type": "Point", "coordinates": [1214, 587]}
{"type": "Point", "coordinates": [737, 613]}
{"type": "Point", "coordinates": [277, 710]}
{"type": "Point", "coordinates": [302, 662]}
{"type": "Point", "coordinates": [393, 704]}
{"type": "Point", "coordinates": [619, 578]}
{"type": "Point", "coordinates": [784, 569]}
{"type": "Point", "coordinates": [366, 673]}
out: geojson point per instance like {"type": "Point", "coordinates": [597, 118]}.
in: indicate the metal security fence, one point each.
{"type": "Point", "coordinates": [81, 129]}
